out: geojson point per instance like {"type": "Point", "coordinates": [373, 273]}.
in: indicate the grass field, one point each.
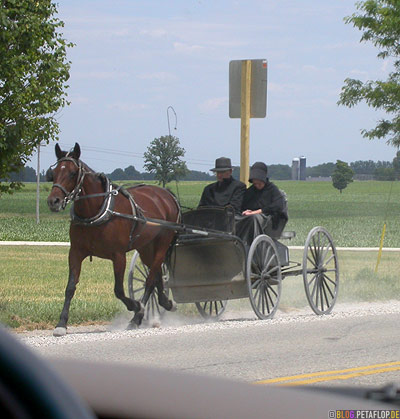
{"type": "Point", "coordinates": [33, 280]}
{"type": "Point", "coordinates": [354, 218]}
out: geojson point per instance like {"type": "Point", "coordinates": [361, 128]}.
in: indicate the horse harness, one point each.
{"type": "Point", "coordinates": [106, 211]}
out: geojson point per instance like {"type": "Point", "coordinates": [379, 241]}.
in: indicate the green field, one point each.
{"type": "Point", "coordinates": [33, 278]}
{"type": "Point", "coordinates": [354, 218]}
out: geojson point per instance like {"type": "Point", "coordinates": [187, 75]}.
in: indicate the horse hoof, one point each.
{"type": "Point", "coordinates": [137, 318]}
{"type": "Point", "coordinates": [132, 326]}
{"type": "Point", "coordinates": [174, 306]}
{"type": "Point", "coordinates": [60, 331]}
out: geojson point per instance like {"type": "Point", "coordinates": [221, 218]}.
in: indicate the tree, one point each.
{"type": "Point", "coordinates": [279, 171]}
{"type": "Point", "coordinates": [380, 22]}
{"type": "Point", "coordinates": [132, 174]}
{"type": "Point", "coordinates": [33, 73]}
{"type": "Point", "coordinates": [321, 170]}
{"type": "Point", "coordinates": [342, 175]}
{"type": "Point", "coordinates": [396, 165]}
{"type": "Point", "coordinates": [117, 174]}
{"type": "Point", "coordinates": [385, 173]}
{"type": "Point", "coordinates": [163, 159]}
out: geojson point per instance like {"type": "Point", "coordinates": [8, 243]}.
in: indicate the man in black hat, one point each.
{"type": "Point", "coordinates": [226, 191]}
{"type": "Point", "coordinates": [264, 207]}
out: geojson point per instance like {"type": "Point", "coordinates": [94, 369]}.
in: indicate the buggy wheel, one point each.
{"type": "Point", "coordinates": [211, 310]}
{"type": "Point", "coordinates": [264, 277]}
{"type": "Point", "coordinates": [137, 275]}
{"type": "Point", "coordinates": [320, 271]}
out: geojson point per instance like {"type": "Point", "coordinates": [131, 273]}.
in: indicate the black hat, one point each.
{"type": "Point", "coordinates": [222, 164]}
{"type": "Point", "coordinates": [258, 171]}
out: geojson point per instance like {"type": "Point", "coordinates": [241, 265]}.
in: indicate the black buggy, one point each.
{"type": "Point", "coordinates": [208, 265]}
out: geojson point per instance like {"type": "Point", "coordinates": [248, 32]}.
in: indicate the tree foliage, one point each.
{"type": "Point", "coordinates": [33, 73]}
{"type": "Point", "coordinates": [321, 170]}
{"type": "Point", "coordinates": [163, 159]}
{"type": "Point", "coordinates": [380, 22]}
{"type": "Point", "coordinates": [342, 175]}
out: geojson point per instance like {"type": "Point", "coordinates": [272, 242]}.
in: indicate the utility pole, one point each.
{"type": "Point", "coordinates": [38, 185]}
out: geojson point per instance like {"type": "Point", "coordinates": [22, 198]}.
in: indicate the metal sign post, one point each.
{"type": "Point", "coordinates": [247, 99]}
{"type": "Point", "coordinates": [245, 121]}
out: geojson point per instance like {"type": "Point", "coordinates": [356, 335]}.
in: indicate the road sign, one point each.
{"type": "Point", "coordinates": [258, 90]}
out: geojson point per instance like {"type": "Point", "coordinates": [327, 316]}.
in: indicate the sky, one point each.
{"type": "Point", "coordinates": [138, 63]}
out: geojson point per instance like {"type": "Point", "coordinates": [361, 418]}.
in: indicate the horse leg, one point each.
{"type": "Point", "coordinates": [163, 300]}
{"type": "Point", "coordinates": [75, 262]}
{"type": "Point", "coordinates": [119, 264]}
{"type": "Point", "coordinates": [149, 287]}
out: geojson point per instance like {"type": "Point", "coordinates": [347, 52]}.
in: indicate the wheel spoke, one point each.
{"type": "Point", "coordinates": [263, 299]}
{"type": "Point", "coordinates": [267, 296]}
{"type": "Point", "coordinates": [326, 253]}
{"type": "Point", "coordinates": [255, 268]}
{"type": "Point", "coordinates": [311, 280]}
{"type": "Point", "coordinates": [268, 264]}
{"type": "Point", "coordinates": [271, 289]}
{"type": "Point", "coordinates": [321, 295]}
{"type": "Point", "coordinates": [272, 300]}
{"type": "Point", "coordinates": [330, 280]}
{"type": "Point", "coordinates": [312, 250]}
{"type": "Point", "coordinates": [324, 291]}
{"type": "Point", "coordinates": [256, 283]}
{"type": "Point", "coordinates": [138, 290]}
{"type": "Point", "coordinates": [327, 287]}
{"type": "Point", "coordinates": [257, 291]}
{"type": "Point", "coordinates": [143, 271]}
{"type": "Point", "coordinates": [266, 260]}
{"type": "Point", "coordinates": [317, 293]}
{"type": "Point", "coordinates": [135, 278]}
{"type": "Point", "coordinates": [314, 287]}
{"type": "Point", "coordinates": [311, 261]}
{"type": "Point", "coordinates": [320, 254]}
{"type": "Point", "coordinates": [316, 249]}
{"type": "Point", "coordinates": [272, 270]}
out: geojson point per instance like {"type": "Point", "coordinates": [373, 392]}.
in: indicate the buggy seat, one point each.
{"type": "Point", "coordinates": [211, 218]}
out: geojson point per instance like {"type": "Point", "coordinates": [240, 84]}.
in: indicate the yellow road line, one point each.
{"type": "Point", "coordinates": [334, 375]}
{"type": "Point", "coordinates": [339, 377]}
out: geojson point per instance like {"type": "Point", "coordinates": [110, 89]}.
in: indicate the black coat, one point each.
{"type": "Point", "coordinates": [269, 199]}
{"type": "Point", "coordinates": [221, 194]}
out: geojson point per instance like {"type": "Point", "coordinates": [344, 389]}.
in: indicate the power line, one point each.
{"type": "Point", "coordinates": [195, 162]}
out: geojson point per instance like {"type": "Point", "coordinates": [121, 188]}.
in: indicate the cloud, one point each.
{"type": "Point", "coordinates": [153, 33]}
{"type": "Point", "coordinates": [309, 68]}
{"type": "Point", "coordinates": [100, 75]}
{"type": "Point", "coordinates": [213, 104]}
{"type": "Point", "coordinates": [160, 76]}
{"type": "Point", "coordinates": [127, 107]}
{"type": "Point", "coordinates": [359, 73]}
{"type": "Point", "coordinates": [187, 49]}
{"type": "Point", "coordinates": [76, 99]}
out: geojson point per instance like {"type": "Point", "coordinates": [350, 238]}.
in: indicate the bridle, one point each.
{"type": "Point", "coordinates": [71, 196]}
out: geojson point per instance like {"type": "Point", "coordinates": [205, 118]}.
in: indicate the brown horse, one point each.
{"type": "Point", "coordinates": [108, 221]}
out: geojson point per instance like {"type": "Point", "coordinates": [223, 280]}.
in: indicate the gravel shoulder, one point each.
{"type": "Point", "coordinates": [173, 324]}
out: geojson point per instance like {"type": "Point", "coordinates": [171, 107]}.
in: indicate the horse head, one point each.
{"type": "Point", "coordinates": [67, 177]}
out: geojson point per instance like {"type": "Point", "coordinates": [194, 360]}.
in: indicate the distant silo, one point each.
{"type": "Point", "coordinates": [295, 168]}
{"type": "Point", "coordinates": [302, 175]}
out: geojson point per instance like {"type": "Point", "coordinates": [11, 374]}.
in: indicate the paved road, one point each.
{"type": "Point", "coordinates": [356, 345]}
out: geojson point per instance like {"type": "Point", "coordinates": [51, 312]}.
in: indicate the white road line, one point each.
{"type": "Point", "coordinates": [349, 249]}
